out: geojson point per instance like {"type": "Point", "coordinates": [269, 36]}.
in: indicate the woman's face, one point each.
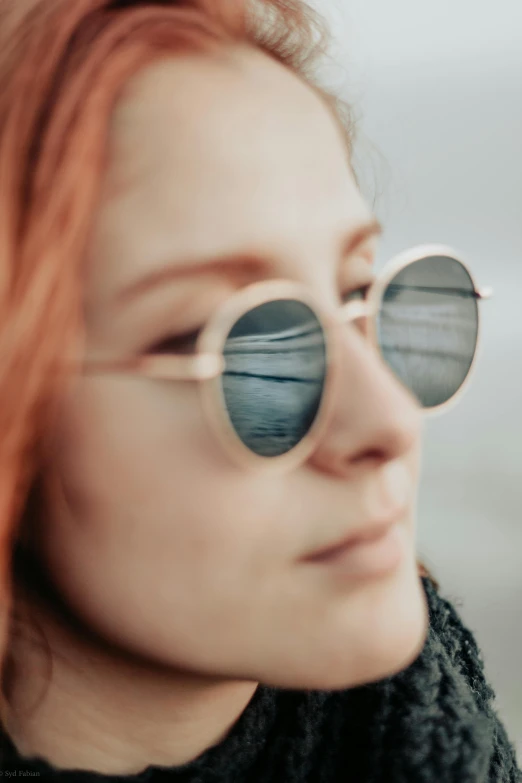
{"type": "Point", "coordinates": [155, 538]}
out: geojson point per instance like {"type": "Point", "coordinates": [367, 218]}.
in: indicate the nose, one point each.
{"type": "Point", "coordinates": [372, 419]}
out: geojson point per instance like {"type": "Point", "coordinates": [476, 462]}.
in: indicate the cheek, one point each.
{"type": "Point", "coordinates": [147, 516]}
{"type": "Point", "coordinates": [415, 463]}
{"type": "Point", "coordinates": [126, 449]}
{"type": "Point", "coordinates": [116, 440]}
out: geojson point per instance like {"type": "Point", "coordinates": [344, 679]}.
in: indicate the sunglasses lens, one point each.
{"type": "Point", "coordinates": [275, 366]}
{"type": "Point", "coordinates": [428, 327]}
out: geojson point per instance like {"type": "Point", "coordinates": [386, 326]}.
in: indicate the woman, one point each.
{"type": "Point", "coordinates": [211, 418]}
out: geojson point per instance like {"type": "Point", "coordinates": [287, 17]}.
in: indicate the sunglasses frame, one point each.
{"type": "Point", "coordinates": [207, 364]}
{"type": "Point", "coordinates": [396, 265]}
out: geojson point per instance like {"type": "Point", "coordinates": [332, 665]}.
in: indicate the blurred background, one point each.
{"type": "Point", "coordinates": [437, 90]}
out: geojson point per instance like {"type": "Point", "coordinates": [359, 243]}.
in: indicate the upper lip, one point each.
{"type": "Point", "coordinates": [368, 532]}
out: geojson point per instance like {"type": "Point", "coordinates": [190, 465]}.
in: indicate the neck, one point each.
{"type": "Point", "coordinates": [80, 704]}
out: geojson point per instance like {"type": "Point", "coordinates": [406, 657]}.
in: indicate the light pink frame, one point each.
{"type": "Point", "coordinates": [207, 364]}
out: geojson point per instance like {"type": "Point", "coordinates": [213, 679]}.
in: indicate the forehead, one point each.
{"type": "Point", "coordinates": [208, 152]}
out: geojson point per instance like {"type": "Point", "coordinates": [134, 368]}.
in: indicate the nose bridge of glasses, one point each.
{"type": "Point", "coordinates": [354, 311]}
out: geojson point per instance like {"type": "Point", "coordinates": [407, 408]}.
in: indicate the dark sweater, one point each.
{"type": "Point", "coordinates": [433, 723]}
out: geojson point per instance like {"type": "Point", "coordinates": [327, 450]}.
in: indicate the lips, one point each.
{"type": "Point", "coordinates": [372, 531]}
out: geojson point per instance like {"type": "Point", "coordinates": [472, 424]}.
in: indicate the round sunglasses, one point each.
{"type": "Point", "coordinates": [267, 360]}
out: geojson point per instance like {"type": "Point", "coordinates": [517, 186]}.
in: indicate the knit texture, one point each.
{"type": "Point", "coordinates": [435, 722]}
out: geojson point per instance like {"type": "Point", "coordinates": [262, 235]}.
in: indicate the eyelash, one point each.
{"type": "Point", "coordinates": [351, 295]}
{"type": "Point", "coordinates": [186, 343]}
{"type": "Point", "coordinates": [178, 344]}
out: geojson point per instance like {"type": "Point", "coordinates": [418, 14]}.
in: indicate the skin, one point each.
{"type": "Point", "coordinates": [184, 572]}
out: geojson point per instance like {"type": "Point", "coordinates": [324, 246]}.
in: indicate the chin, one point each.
{"type": "Point", "coordinates": [393, 624]}
{"type": "Point", "coordinates": [379, 632]}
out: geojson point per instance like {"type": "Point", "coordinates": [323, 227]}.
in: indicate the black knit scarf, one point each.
{"type": "Point", "coordinates": [433, 723]}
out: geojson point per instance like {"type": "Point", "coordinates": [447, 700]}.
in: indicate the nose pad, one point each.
{"type": "Point", "coordinates": [372, 418]}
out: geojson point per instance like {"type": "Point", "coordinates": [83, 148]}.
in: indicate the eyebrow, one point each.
{"type": "Point", "coordinates": [231, 263]}
{"type": "Point", "coordinates": [373, 228]}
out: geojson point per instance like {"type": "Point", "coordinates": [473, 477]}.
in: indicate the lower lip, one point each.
{"type": "Point", "coordinates": [367, 559]}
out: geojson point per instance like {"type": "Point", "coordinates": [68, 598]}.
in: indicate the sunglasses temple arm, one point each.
{"type": "Point", "coordinates": [201, 367]}
{"type": "Point", "coordinates": [484, 293]}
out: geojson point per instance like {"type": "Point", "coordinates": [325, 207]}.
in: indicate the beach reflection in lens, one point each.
{"type": "Point", "coordinates": [427, 327]}
{"type": "Point", "coordinates": [275, 364]}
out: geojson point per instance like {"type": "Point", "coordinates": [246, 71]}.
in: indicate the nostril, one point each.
{"type": "Point", "coordinates": [376, 447]}
{"type": "Point", "coordinates": [369, 457]}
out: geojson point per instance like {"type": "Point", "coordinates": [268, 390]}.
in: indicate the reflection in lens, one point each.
{"type": "Point", "coordinates": [275, 363]}
{"type": "Point", "coordinates": [427, 327]}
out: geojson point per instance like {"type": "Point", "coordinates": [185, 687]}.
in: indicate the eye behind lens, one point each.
{"type": "Point", "coordinates": [356, 294]}
{"type": "Point", "coordinates": [175, 344]}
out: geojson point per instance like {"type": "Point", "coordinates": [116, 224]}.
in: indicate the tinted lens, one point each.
{"type": "Point", "coordinates": [275, 364]}
{"type": "Point", "coordinates": [427, 327]}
